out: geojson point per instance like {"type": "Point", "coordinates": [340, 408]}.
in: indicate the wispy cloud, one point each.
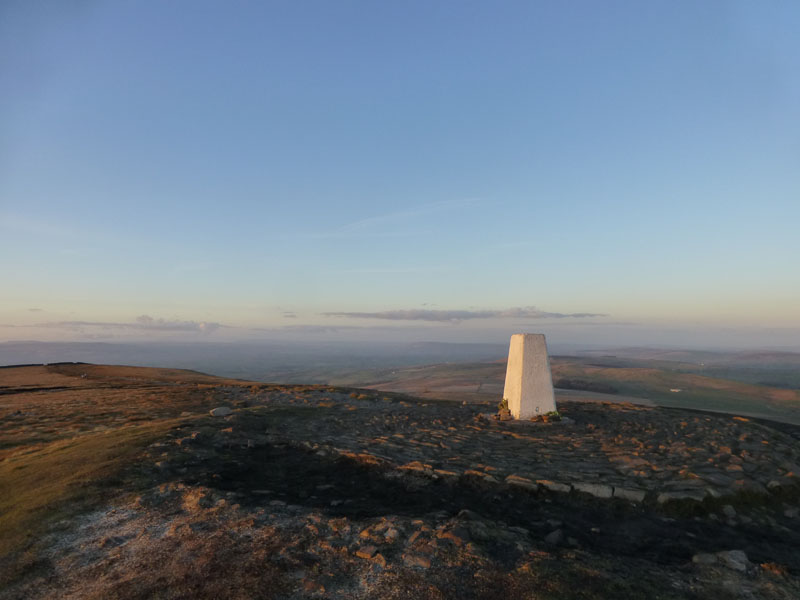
{"type": "Point", "coordinates": [302, 329]}
{"type": "Point", "coordinates": [141, 323]}
{"type": "Point", "coordinates": [316, 328]}
{"type": "Point", "coordinates": [397, 224]}
{"type": "Point", "coordinates": [147, 322]}
{"type": "Point", "coordinates": [456, 316]}
{"type": "Point", "coordinates": [34, 226]}
{"type": "Point", "coordinates": [388, 270]}
{"type": "Point", "coordinates": [381, 221]}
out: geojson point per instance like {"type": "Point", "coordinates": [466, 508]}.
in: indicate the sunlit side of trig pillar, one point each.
{"type": "Point", "coordinates": [529, 385]}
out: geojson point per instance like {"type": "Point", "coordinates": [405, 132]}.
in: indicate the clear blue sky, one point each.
{"type": "Point", "coordinates": [416, 168]}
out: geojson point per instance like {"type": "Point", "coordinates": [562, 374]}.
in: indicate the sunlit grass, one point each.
{"type": "Point", "coordinates": [44, 485]}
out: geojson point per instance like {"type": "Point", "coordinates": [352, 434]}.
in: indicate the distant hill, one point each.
{"type": "Point", "coordinates": [664, 383]}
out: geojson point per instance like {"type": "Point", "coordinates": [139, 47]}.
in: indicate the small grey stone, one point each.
{"type": "Point", "coordinates": [704, 559]}
{"type": "Point", "coordinates": [598, 490]}
{"type": "Point", "coordinates": [220, 411]}
{"type": "Point", "coordinates": [469, 515]}
{"type": "Point", "coordinates": [734, 559]}
{"type": "Point", "coordinates": [629, 494]}
{"type": "Point", "coordinates": [366, 551]}
{"type": "Point", "coordinates": [555, 537]}
{"type": "Point", "coordinates": [696, 495]}
{"type": "Point", "coordinates": [555, 523]}
{"type": "Point", "coordinates": [417, 560]}
{"type": "Point", "coordinates": [554, 486]}
{"type": "Point", "coordinates": [729, 511]}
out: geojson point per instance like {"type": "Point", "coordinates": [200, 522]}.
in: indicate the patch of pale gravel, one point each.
{"type": "Point", "coordinates": [93, 538]}
{"type": "Point", "coordinates": [97, 554]}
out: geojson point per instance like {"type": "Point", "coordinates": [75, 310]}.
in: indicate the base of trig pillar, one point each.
{"type": "Point", "coordinates": [529, 385]}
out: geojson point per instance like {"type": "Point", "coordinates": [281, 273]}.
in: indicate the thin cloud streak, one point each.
{"type": "Point", "coordinates": [456, 316]}
{"type": "Point", "coordinates": [312, 329]}
{"type": "Point", "coordinates": [389, 270]}
{"type": "Point", "coordinates": [142, 323]}
{"type": "Point", "coordinates": [382, 225]}
{"type": "Point", "coordinates": [388, 218]}
{"type": "Point", "coordinates": [38, 227]}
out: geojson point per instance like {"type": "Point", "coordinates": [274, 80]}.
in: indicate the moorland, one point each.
{"type": "Point", "coordinates": [126, 482]}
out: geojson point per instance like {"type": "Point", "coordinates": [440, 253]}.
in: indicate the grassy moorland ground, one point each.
{"type": "Point", "coordinates": [115, 482]}
{"type": "Point", "coordinates": [48, 483]}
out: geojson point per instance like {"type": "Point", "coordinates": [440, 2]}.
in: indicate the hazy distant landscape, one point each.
{"type": "Point", "coordinates": [765, 384]}
{"type": "Point", "coordinates": [278, 361]}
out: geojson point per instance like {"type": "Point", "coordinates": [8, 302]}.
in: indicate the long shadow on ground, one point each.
{"type": "Point", "coordinates": [340, 486]}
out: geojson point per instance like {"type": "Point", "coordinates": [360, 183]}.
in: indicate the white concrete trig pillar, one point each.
{"type": "Point", "coordinates": [529, 385]}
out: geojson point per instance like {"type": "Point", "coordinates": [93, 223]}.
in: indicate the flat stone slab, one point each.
{"type": "Point", "coordinates": [221, 411]}
{"type": "Point", "coordinates": [554, 486]}
{"type": "Point", "coordinates": [522, 482]}
{"type": "Point", "coordinates": [598, 490]}
{"type": "Point", "coordinates": [696, 495]}
{"type": "Point", "coordinates": [630, 494]}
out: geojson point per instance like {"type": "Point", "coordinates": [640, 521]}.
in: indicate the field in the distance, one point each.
{"type": "Point", "coordinates": [649, 377]}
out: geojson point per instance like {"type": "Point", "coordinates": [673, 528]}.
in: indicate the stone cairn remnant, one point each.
{"type": "Point", "coordinates": [529, 385]}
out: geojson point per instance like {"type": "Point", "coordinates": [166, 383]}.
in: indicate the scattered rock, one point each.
{"type": "Point", "coordinates": [734, 559]}
{"type": "Point", "coordinates": [630, 494]}
{"type": "Point", "coordinates": [458, 535]}
{"type": "Point", "coordinates": [598, 490]}
{"type": "Point", "coordinates": [695, 495]}
{"type": "Point", "coordinates": [556, 538]}
{"type": "Point", "coordinates": [379, 559]}
{"type": "Point", "coordinates": [416, 561]}
{"type": "Point", "coordinates": [704, 559]}
{"type": "Point", "coordinates": [554, 523]}
{"type": "Point", "coordinates": [554, 486]}
{"type": "Point", "coordinates": [366, 552]}
{"type": "Point", "coordinates": [484, 476]}
{"type": "Point", "coordinates": [521, 482]}
{"type": "Point", "coordinates": [221, 411]}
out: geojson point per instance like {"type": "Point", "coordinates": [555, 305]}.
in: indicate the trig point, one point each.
{"type": "Point", "coordinates": [529, 386]}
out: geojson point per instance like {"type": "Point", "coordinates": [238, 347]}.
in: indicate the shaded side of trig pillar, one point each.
{"type": "Point", "coordinates": [529, 385]}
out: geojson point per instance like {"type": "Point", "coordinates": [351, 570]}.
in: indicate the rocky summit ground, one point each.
{"type": "Point", "coordinates": [322, 492]}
